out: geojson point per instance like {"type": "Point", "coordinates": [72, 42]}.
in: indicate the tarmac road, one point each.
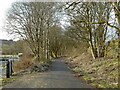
{"type": "Point", "coordinates": [59, 76]}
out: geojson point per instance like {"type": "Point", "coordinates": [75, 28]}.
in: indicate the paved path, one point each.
{"type": "Point", "coordinates": [58, 77]}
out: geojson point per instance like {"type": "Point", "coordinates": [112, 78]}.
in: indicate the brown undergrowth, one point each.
{"type": "Point", "coordinates": [23, 63]}
{"type": "Point", "coordinates": [100, 73]}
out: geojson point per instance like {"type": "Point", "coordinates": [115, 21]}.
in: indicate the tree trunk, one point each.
{"type": "Point", "coordinates": [93, 49]}
{"type": "Point", "coordinates": [119, 59]}
{"type": "Point", "coordinates": [117, 15]}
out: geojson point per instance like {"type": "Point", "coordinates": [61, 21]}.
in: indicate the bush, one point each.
{"type": "Point", "coordinates": [22, 64]}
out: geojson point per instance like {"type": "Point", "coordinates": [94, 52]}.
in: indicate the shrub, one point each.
{"type": "Point", "coordinates": [23, 63]}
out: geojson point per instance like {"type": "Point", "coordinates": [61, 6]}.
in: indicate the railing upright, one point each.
{"type": "Point", "coordinates": [8, 69]}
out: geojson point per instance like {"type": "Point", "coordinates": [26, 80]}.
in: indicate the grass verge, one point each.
{"type": "Point", "coordinates": [99, 73]}
{"type": "Point", "coordinates": [6, 81]}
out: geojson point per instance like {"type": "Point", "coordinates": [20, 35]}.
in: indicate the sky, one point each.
{"type": "Point", "coordinates": [4, 6]}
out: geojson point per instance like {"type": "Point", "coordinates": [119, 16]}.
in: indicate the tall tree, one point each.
{"type": "Point", "coordinates": [31, 20]}
{"type": "Point", "coordinates": [83, 24]}
{"type": "Point", "coordinates": [116, 6]}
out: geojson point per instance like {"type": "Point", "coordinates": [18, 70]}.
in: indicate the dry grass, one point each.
{"type": "Point", "coordinates": [101, 72]}
{"type": "Point", "coordinates": [23, 63]}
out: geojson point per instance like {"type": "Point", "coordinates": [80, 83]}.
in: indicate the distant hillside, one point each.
{"type": "Point", "coordinates": [6, 42]}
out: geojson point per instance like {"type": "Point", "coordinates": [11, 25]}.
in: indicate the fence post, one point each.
{"type": "Point", "coordinates": [8, 69]}
{"type": "Point", "coordinates": [11, 70]}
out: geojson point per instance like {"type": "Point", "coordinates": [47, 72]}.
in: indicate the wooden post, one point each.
{"type": "Point", "coordinates": [8, 69]}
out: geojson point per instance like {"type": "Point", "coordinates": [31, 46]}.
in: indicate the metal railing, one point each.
{"type": "Point", "coordinates": [7, 69]}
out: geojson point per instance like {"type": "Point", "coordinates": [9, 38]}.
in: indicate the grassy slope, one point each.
{"type": "Point", "coordinates": [102, 72]}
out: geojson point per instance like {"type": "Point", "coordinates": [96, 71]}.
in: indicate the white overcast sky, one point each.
{"type": "Point", "coordinates": [4, 6]}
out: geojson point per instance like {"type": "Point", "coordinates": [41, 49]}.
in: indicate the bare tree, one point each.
{"type": "Point", "coordinates": [83, 24]}
{"type": "Point", "coordinates": [31, 21]}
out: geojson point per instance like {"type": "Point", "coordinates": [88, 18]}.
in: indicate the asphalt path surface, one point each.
{"type": "Point", "coordinates": [59, 76]}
